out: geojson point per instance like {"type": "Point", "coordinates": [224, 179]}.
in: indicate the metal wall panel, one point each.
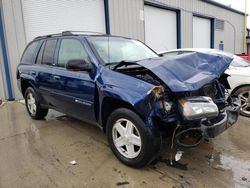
{"type": "Point", "coordinates": [2, 96]}
{"type": "Point", "coordinates": [125, 20]}
{"type": "Point", "coordinates": [186, 22]}
{"type": "Point", "coordinates": [2, 80]}
{"type": "Point", "coordinates": [15, 38]}
{"type": "Point", "coordinates": [233, 21]}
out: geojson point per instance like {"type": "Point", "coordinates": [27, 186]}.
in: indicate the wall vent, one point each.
{"type": "Point", "coordinates": [219, 25]}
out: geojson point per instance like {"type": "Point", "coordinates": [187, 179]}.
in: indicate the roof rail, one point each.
{"type": "Point", "coordinates": [49, 35]}
{"type": "Point", "coordinates": [67, 33]}
{"type": "Point", "coordinates": [82, 33]}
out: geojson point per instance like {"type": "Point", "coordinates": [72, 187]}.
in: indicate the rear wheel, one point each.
{"type": "Point", "coordinates": [244, 95]}
{"type": "Point", "coordinates": [129, 138]}
{"type": "Point", "coordinates": [33, 106]}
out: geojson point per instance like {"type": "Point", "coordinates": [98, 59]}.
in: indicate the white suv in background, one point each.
{"type": "Point", "coordinates": [239, 75]}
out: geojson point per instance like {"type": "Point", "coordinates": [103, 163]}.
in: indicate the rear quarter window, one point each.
{"type": "Point", "coordinates": [48, 53]}
{"type": "Point", "coordinates": [28, 54]}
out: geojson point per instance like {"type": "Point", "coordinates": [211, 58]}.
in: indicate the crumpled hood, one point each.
{"type": "Point", "coordinates": [188, 72]}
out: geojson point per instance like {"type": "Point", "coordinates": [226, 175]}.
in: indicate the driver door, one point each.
{"type": "Point", "coordinates": [74, 91]}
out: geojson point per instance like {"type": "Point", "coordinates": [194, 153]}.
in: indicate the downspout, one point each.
{"type": "Point", "coordinates": [178, 13]}
{"type": "Point", "coordinates": [245, 29]}
{"type": "Point", "coordinates": [107, 22]}
{"type": "Point", "coordinates": [212, 33]}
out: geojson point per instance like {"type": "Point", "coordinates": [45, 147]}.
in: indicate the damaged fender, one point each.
{"type": "Point", "coordinates": [133, 91]}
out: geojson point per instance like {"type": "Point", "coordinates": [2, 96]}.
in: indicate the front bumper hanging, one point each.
{"type": "Point", "coordinates": [230, 116]}
{"type": "Point", "coordinates": [211, 128]}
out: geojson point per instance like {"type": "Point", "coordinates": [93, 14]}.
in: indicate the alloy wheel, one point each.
{"type": "Point", "coordinates": [126, 138]}
{"type": "Point", "coordinates": [31, 103]}
{"type": "Point", "coordinates": [245, 102]}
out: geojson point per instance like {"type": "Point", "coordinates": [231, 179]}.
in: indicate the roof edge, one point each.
{"type": "Point", "coordinates": [223, 6]}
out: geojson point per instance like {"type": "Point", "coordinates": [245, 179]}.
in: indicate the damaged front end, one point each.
{"type": "Point", "coordinates": [189, 95]}
{"type": "Point", "coordinates": [197, 116]}
{"type": "Point", "coordinates": [202, 119]}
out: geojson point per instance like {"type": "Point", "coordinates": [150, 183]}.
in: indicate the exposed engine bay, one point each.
{"type": "Point", "coordinates": [140, 73]}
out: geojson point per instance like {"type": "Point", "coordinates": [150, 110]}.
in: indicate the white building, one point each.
{"type": "Point", "coordinates": [162, 24]}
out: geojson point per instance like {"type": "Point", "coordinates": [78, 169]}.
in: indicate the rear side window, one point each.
{"type": "Point", "coordinates": [40, 54]}
{"type": "Point", "coordinates": [49, 50]}
{"type": "Point", "coordinates": [29, 53]}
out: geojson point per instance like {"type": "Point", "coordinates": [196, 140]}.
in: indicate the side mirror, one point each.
{"type": "Point", "coordinates": [78, 65]}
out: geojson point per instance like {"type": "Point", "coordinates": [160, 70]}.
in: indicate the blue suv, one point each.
{"type": "Point", "coordinates": [136, 97]}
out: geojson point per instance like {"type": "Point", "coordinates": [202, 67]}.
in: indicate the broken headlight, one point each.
{"type": "Point", "coordinates": [167, 106]}
{"type": "Point", "coordinates": [194, 108]}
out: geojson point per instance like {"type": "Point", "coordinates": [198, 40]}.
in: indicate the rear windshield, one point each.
{"type": "Point", "coordinates": [28, 54]}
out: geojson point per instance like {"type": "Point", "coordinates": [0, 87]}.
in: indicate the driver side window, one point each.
{"type": "Point", "coordinates": [71, 49]}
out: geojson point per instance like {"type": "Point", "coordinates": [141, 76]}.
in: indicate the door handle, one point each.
{"type": "Point", "coordinates": [57, 77]}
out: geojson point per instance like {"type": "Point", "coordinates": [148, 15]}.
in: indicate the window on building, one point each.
{"type": "Point", "coordinates": [49, 50]}
{"type": "Point", "coordinates": [71, 49]}
{"type": "Point", "coordinates": [29, 53]}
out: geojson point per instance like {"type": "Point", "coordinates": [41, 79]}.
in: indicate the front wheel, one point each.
{"type": "Point", "coordinates": [130, 140]}
{"type": "Point", "coordinates": [33, 106]}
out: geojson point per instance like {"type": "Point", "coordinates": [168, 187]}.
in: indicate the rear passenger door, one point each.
{"type": "Point", "coordinates": [74, 91]}
{"type": "Point", "coordinates": [45, 68]}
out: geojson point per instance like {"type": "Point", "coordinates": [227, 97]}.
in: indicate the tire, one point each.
{"type": "Point", "coordinates": [33, 106]}
{"type": "Point", "coordinates": [127, 138]}
{"type": "Point", "coordinates": [244, 95]}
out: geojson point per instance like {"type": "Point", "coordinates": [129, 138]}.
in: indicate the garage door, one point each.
{"type": "Point", "coordinates": [48, 17]}
{"type": "Point", "coordinates": [160, 28]}
{"type": "Point", "coordinates": [201, 32]}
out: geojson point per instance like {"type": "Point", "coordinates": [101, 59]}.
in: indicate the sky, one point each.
{"type": "Point", "coordinates": [238, 5]}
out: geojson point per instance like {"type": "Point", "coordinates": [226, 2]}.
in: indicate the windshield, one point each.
{"type": "Point", "coordinates": [240, 62]}
{"type": "Point", "coordinates": [118, 49]}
